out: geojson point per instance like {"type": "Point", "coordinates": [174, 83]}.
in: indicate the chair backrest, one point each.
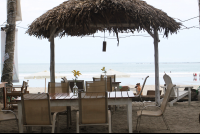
{"type": "Point", "coordinates": [108, 83]}
{"type": "Point", "coordinates": [168, 81]}
{"type": "Point", "coordinates": [112, 77]}
{"type": "Point", "coordinates": [36, 109]}
{"type": "Point", "coordinates": [79, 84]}
{"type": "Point", "coordinates": [58, 87]}
{"type": "Point", "coordinates": [166, 97]}
{"type": "Point", "coordinates": [95, 86]}
{"type": "Point", "coordinates": [143, 85]}
{"type": "Point", "coordinates": [24, 87]}
{"type": "Point", "coordinates": [93, 108]}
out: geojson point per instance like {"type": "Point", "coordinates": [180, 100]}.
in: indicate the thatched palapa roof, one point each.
{"type": "Point", "coordinates": [85, 17]}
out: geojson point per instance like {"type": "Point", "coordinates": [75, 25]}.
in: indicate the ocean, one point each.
{"type": "Point", "coordinates": [181, 73]}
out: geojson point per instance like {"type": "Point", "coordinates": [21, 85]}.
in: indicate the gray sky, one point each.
{"type": "Point", "coordinates": [181, 47]}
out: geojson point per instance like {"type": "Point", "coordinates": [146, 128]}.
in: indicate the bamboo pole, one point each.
{"type": "Point", "coordinates": [156, 56]}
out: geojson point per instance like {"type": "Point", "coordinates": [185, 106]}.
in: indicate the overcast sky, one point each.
{"type": "Point", "coordinates": [181, 47]}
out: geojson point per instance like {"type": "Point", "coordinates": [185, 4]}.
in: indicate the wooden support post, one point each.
{"type": "Point", "coordinates": [52, 54]}
{"type": "Point", "coordinates": [52, 60]}
{"type": "Point", "coordinates": [156, 56]}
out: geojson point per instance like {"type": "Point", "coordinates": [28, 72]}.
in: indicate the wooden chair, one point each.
{"type": "Point", "coordinates": [13, 104]}
{"type": "Point", "coordinates": [36, 111]}
{"type": "Point", "coordinates": [108, 83]}
{"type": "Point", "coordinates": [157, 113]}
{"type": "Point", "coordinates": [60, 88]}
{"type": "Point", "coordinates": [93, 110]}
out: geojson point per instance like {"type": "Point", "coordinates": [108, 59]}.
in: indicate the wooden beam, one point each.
{"type": "Point", "coordinates": [156, 56]}
{"type": "Point", "coordinates": [52, 55]}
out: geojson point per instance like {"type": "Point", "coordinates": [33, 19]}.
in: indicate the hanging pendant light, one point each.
{"type": "Point", "coordinates": [104, 43]}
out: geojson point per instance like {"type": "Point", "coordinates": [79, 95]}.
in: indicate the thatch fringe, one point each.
{"type": "Point", "coordinates": [86, 17]}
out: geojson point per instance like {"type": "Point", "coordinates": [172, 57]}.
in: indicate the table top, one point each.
{"type": "Point", "coordinates": [70, 96]}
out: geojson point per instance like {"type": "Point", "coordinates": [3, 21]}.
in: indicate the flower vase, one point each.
{"type": "Point", "coordinates": [105, 76]}
{"type": "Point", "coordinates": [75, 89]}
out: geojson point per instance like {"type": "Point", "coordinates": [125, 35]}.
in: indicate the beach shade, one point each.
{"type": "Point", "coordinates": [117, 73]}
{"type": "Point", "coordinates": [114, 72]}
{"type": "Point", "coordinates": [43, 75]}
{"type": "Point", "coordinates": [86, 17]}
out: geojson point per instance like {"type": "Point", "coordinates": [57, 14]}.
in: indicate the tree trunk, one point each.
{"type": "Point", "coordinates": [156, 56]}
{"type": "Point", "coordinates": [7, 74]}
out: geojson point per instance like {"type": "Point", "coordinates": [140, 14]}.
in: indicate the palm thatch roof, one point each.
{"type": "Point", "coordinates": [86, 17]}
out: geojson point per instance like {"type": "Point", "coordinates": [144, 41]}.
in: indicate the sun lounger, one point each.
{"type": "Point", "coordinates": [176, 93]}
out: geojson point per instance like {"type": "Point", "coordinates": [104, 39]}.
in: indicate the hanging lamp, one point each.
{"type": "Point", "coordinates": [104, 43]}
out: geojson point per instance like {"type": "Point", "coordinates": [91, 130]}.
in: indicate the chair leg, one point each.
{"type": "Point", "coordinates": [70, 115]}
{"type": "Point", "coordinates": [77, 122]}
{"type": "Point", "coordinates": [42, 129]}
{"type": "Point", "coordinates": [29, 129]}
{"type": "Point", "coordinates": [54, 123]}
{"type": "Point", "coordinates": [109, 119]}
{"type": "Point", "coordinates": [138, 129]}
{"type": "Point", "coordinates": [58, 124]}
{"type": "Point", "coordinates": [166, 123]}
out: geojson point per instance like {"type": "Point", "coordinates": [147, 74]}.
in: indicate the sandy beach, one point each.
{"type": "Point", "coordinates": [181, 118]}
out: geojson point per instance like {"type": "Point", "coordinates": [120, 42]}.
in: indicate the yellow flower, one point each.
{"type": "Point", "coordinates": [76, 73]}
{"type": "Point", "coordinates": [103, 69]}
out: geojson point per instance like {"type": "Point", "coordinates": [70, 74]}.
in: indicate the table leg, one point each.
{"type": "Point", "coordinates": [129, 115]}
{"type": "Point", "coordinates": [189, 95]}
{"type": "Point", "coordinates": [20, 119]}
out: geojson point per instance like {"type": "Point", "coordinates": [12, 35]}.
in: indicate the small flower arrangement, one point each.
{"type": "Point", "coordinates": [104, 70]}
{"type": "Point", "coordinates": [76, 74]}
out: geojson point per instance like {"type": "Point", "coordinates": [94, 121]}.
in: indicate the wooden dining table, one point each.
{"type": "Point", "coordinates": [68, 99]}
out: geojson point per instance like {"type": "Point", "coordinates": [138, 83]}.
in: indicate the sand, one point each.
{"type": "Point", "coordinates": [181, 118]}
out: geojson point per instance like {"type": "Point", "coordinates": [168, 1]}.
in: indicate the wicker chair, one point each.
{"type": "Point", "coordinates": [93, 110]}
{"type": "Point", "coordinates": [160, 111]}
{"type": "Point", "coordinates": [95, 86]}
{"type": "Point", "coordinates": [36, 111]}
{"type": "Point", "coordinates": [108, 83]}
{"type": "Point", "coordinates": [60, 88]}
{"type": "Point", "coordinates": [108, 76]}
